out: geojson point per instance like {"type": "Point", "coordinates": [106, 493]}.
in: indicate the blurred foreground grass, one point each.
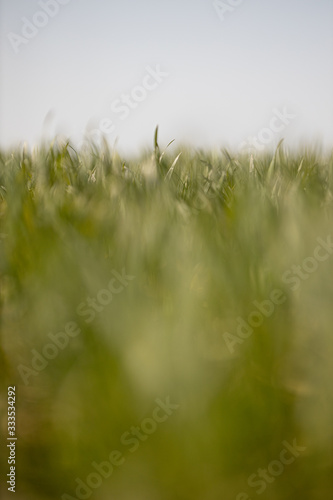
{"type": "Point", "coordinates": [204, 237]}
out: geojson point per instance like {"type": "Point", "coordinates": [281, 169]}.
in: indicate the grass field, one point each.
{"type": "Point", "coordinates": [202, 280]}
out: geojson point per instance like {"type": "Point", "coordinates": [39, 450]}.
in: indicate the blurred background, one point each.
{"type": "Point", "coordinates": [203, 236]}
{"type": "Point", "coordinates": [199, 253]}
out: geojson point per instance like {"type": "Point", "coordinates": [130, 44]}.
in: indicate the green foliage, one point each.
{"type": "Point", "coordinates": [205, 234]}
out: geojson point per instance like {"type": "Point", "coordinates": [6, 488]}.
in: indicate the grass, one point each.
{"type": "Point", "coordinates": [205, 234]}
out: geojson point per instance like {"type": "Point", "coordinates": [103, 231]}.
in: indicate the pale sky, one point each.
{"type": "Point", "coordinates": [223, 73]}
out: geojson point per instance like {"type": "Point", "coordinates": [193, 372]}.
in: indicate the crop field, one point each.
{"type": "Point", "coordinates": [166, 323]}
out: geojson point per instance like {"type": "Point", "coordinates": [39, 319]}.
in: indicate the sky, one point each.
{"type": "Point", "coordinates": [233, 73]}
